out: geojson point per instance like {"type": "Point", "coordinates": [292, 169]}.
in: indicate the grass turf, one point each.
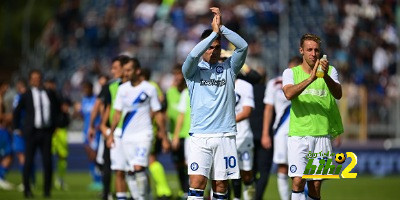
{"type": "Point", "coordinates": [363, 187]}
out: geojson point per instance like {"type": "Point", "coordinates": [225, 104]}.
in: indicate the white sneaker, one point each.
{"type": "Point", "coordinates": [5, 185]}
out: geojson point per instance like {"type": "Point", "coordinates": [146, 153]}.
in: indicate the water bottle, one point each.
{"type": "Point", "coordinates": [320, 72]}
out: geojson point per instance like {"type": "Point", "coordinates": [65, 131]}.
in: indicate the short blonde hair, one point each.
{"type": "Point", "coordinates": [310, 36]}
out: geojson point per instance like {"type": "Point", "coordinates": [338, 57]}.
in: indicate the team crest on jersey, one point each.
{"type": "Point", "coordinates": [219, 69]}
{"type": "Point", "coordinates": [237, 98]}
{"type": "Point", "coordinates": [194, 166]}
{"type": "Point", "coordinates": [143, 96]}
{"type": "Point", "coordinates": [293, 168]}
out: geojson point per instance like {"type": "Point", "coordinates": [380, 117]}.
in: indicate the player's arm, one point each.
{"type": "Point", "coordinates": [95, 111]}
{"type": "Point", "coordinates": [265, 138]}
{"type": "Point", "coordinates": [239, 55]}
{"type": "Point", "coordinates": [189, 67]}
{"type": "Point", "coordinates": [162, 133]}
{"type": "Point", "coordinates": [293, 90]}
{"type": "Point", "coordinates": [246, 112]}
{"type": "Point", "coordinates": [332, 82]}
{"type": "Point", "coordinates": [114, 124]}
{"type": "Point", "coordinates": [105, 131]}
{"type": "Point", "coordinates": [178, 128]}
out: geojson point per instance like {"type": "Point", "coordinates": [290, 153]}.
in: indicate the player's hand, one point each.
{"type": "Point", "coordinates": [313, 74]}
{"type": "Point", "coordinates": [91, 133]}
{"type": "Point", "coordinates": [324, 66]}
{"type": "Point", "coordinates": [110, 141]}
{"type": "Point", "coordinates": [217, 20]}
{"type": "Point", "coordinates": [266, 141]}
{"type": "Point", "coordinates": [175, 143]}
{"type": "Point", "coordinates": [166, 145]}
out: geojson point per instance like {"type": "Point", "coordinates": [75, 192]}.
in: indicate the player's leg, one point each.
{"type": "Point", "coordinates": [323, 145]}
{"type": "Point", "coordinates": [118, 165]}
{"type": "Point", "coordinates": [262, 168]}
{"type": "Point", "coordinates": [298, 148]}
{"type": "Point", "coordinates": [280, 158]}
{"type": "Point", "coordinates": [157, 171]}
{"type": "Point", "coordinates": [200, 159]}
{"type": "Point", "coordinates": [138, 158]}
{"type": "Point", "coordinates": [220, 189]}
{"type": "Point", "coordinates": [60, 146]}
{"type": "Point", "coordinates": [246, 165]}
{"type": "Point", "coordinates": [5, 157]}
{"type": "Point", "coordinates": [314, 191]}
{"type": "Point", "coordinates": [225, 165]}
{"type": "Point", "coordinates": [91, 151]}
{"type": "Point", "coordinates": [181, 167]}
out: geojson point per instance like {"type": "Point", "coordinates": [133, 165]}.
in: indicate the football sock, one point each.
{"type": "Point", "coordinates": [195, 194]}
{"type": "Point", "coordinates": [161, 183]}
{"type": "Point", "coordinates": [298, 195]}
{"type": "Point", "coordinates": [283, 186]}
{"type": "Point", "coordinates": [237, 188]}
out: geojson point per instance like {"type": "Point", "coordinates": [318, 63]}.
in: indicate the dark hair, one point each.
{"type": "Point", "coordinates": [136, 63]}
{"type": "Point", "coordinates": [123, 59]}
{"type": "Point", "coordinates": [87, 84]}
{"type": "Point", "coordinates": [146, 73]}
{"type": "Point", "coordinates": [208, 32]}
{"type": "Point", "coordinates": [33, 71]}
{"type": "Point", "coordinates": [310, 36]}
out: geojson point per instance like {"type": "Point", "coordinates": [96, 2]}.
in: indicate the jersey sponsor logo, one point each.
{"type": "Point", "coordinates": [315, 92]}
{"type": "Point", "coordinates": [293, 168]}
{"type": "Point", "coordinates": [213, 82]}
{"type": "Point", "coordinates": [219, 69]}
{"type": "Point", "coordinates": [194, 166]}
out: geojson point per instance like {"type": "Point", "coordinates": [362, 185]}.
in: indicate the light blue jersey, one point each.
{"type": "Point", "coordinates": [212, 87]}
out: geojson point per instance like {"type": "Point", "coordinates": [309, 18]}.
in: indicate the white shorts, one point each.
{"type": "Point", "coordinates": [129, 151]}
{"type": "Point", "coordinates": [213, 157]}
{"type": "Point", "coordinates": [300, 147]}
{"type": "Point", "coordinates": [281, 145]}
{"type": "Point", "coordinates": [117, 155]}
{"type": "Point", "coordinates": [246, 154]}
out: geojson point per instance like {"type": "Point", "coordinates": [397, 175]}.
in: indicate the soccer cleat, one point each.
{"type": "Point", "coordinates": [5, 185]}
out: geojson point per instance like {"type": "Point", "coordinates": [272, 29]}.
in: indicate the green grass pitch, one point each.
{"type": "Point", "coordinates": [363, 187]}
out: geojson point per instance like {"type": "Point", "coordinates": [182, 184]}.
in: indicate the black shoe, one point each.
{"type": "Point", "coordinates": [28, 194]}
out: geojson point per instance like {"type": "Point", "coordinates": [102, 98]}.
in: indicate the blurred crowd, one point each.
{"type": "Point", "coordinates": [360, 38]}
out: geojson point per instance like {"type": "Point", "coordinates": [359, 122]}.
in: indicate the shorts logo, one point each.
{"type": "Point", "coordinates": [194, 166]}
{"type": "Point", "coordinates": [219, 69]}
{"type": "Point", "coordinates": [293, 168]}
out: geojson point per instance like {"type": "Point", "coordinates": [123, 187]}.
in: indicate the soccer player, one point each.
{"type": "Point", "coordinates": [117, 164]}
{"type": "Point", "coordinates": [91, 143]}
{"type": "Point", "coordinates": [103, 155]}
{"type": "Point", "coordinates": [212, 151]}
{"type": "Point", "coordinates": [244, 140]}
{"type": "Point", "coordinates": [275, 100]}
{"type": "Point", "coordinates": [136, 100]}
{"type": "Point", "coordinates": [314, 115]}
